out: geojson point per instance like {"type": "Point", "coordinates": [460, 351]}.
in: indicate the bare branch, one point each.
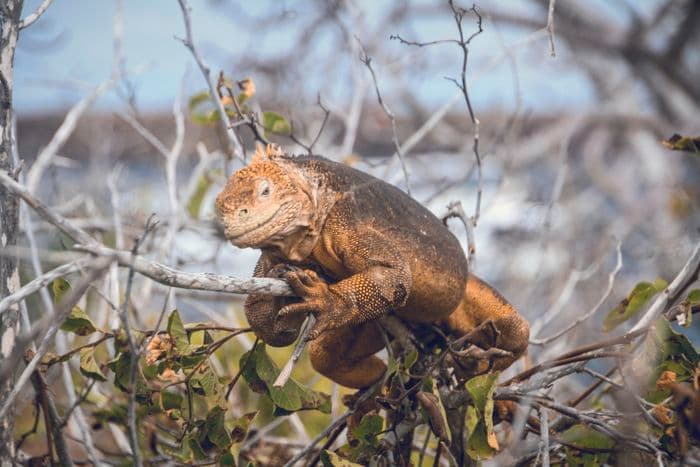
{"type": "Point", "coordinates": [544, 440]}
{"type": "Point", "coordinates": [43, 160]}
{"type": "Point", "coordinates": [592, 311]}
{"type": "Point", "coordinates": [40, 282]}
{"type": "Point", "coordinates": [32, 17]}
{"type": "Point", "coordinates": [286, 372]}
{"type": "Point", "coordinates": [52, 417]}
{"type": "Point", "coordinates": [367, 60]}
{"type": "Point", "coordinates": [455, 209]}
{"type": "Point", "coordinates": [156, 271]}
{"type": "Point", "coordinates": [143, 131]}
{"type": "Point", "coordinates": [463, 43]}
{"type": "Point", "coordinates": [56, 321]}
{"type": "Point", "coordinates": [310, 147]}
{"type": "Point", "coordinates": [134, 357]}
{"type": "Point", "coordinates": [338, 422]}
{"type": "Point", "coordinates": [550, 27]}
{"type": "Point", "coordinates": [234, 142]}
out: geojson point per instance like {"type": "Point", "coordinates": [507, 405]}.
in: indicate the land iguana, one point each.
{"type": "Point", "coordinates": [359, 248]}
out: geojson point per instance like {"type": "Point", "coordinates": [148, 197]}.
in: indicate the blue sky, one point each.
{"type": "Point", "coordinates": [70, 48]}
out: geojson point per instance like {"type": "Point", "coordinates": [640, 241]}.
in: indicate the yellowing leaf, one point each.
{"type": "Point", "coordinates": [331, 459]}
{"type": "Point", "coordinates": [436, 419]}
{"type": "Point", "coordinates": [247, 87]}
{"type": "Point", "coordinates": [662, 414]}
{"type": "Point", "coordinates": [686, 308]}
{"type": "Point", "coordinates": [158, 347]}
{"type": "Point", "coordinates": [88, 365]}
{"type": "Point", "coordinates": [168, 375]}
{"type": "Point", "coordinates": [666, 380]}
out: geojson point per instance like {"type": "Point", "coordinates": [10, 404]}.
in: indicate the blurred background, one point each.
{"type": "Point", "coordinates": [570, 142]}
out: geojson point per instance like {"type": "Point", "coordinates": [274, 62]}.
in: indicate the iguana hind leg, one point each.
{"type": "Point", "coordinates": [481, 303]}
{"type": "Point", "coordinates": [346, 355]}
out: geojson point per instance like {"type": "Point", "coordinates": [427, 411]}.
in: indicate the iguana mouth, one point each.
{"type": "Point", "coordinates": [253, 228]}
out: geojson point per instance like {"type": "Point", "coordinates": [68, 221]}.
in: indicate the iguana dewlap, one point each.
{"type": "Point", "coordinates": [361, 248]}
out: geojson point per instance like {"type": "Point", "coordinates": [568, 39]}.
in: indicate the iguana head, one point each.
{"type": "Point", "coordinates": [266, 202]}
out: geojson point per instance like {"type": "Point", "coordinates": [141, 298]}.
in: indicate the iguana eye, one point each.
{"type": "Point", "coordinates": [264, 189]}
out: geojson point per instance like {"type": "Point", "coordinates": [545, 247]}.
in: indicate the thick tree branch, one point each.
{"type": "Point", "coordinates": [154, 270]}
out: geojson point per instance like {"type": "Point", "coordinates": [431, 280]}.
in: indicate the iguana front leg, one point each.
{"type": "Point", "coordinates": [262, 310]}
{"type": "Point", "coordinates": [381, 282]}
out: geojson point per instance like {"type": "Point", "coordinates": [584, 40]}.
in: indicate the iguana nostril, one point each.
{"type": "Point", "coordinates": [243, 213]}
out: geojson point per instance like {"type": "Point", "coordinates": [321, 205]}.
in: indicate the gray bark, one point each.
{"type": "Point", "coordinates": [10, 11]}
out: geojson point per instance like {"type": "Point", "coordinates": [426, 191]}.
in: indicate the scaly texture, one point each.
{"type": "Point", "coordinates": [353, 248]}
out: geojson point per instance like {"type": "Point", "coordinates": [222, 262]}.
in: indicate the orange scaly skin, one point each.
{"type": "Point", "coordinates": [361, 248]}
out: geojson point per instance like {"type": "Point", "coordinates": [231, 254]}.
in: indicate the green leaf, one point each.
{"type": "Point", "coordinates": [331, 459]}
{"type": "Point", "coordinates": [368, 428]}
{"type": "Point", "coordinates": [692, 300]}
{"type": "Point", "coordinates": [275, 123]}
{"type": "Point", "coordinates": [482, 439]}
{"type": "Point", "coordinates": [671, 345]}
{"type": "Point", "coordinates": [77, 322]}
{"type": "Point", "coordinates": [59, 287]}
{"type": "Point", "coordinates": [478, 447]}
{"type": "Point", "coordinates": [199, 113]}
{"type": "Point", "coordinates": [115, 413]}
{"type": "Point", "coordinates": [481, 389]}
{"type": "Point", "coordinates": [195, 202]}
{"type": "Point", "coordinates": [227, 460]}
{"type": "Point", "coordinates": [634, 302]}
{"type": "Point", "coordinates": [585, 438]}
{"type": "Point", "coordinates": [170, 400]}
{"type": "Point", "coordinates": [216, 429]}
{"type": "Point", "coordinates": [121, 366]}
{"type": "Point", "coordinates": [88, 365]}
{"type": "Point", "coordinates": [197, 99]}
{"type": "Point", "coordinates": [205, 383]}
{"type": "Point", "coordinates": [410, 359]}
{"type": "Point", "coordinates": [694, 297]}
{"type": "Point", "coordinates": [177, 333]}
{"type": "Point", "coordinates": [665, 349]}
{"type": "Point", "coordinates": [195, 448]}
{"type": "Point", "coordinates": [683, 143]}
{"type": "Point", "coordinates": [260, 372]}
